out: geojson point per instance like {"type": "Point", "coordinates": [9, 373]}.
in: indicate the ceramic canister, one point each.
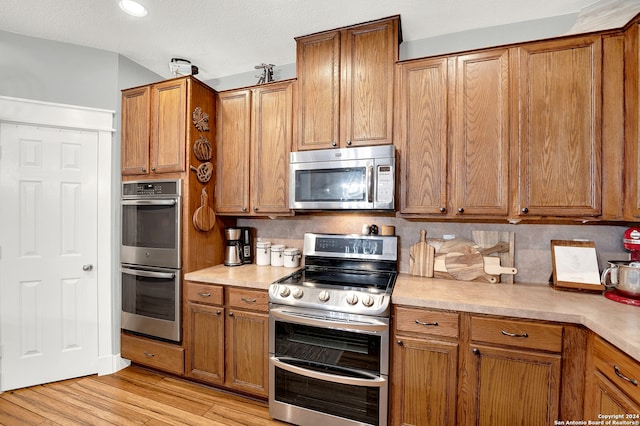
{"type": "Point", "coordinates": [263, 253]}
{"type": "Point", "coordinates": [277, 255]}
{"type": "Point", "coordinates": [291, 257]}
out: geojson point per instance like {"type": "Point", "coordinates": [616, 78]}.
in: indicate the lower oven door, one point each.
{"type": "Point", "coordinates": [328, 368]}
{"type": "Point", "coordinates": [151, 301]}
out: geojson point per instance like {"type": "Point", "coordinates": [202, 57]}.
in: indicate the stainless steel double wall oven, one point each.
{"type": "Point", "coordinates": [151, 258]}
{"type": "Point", "coordinates": [329, 333]}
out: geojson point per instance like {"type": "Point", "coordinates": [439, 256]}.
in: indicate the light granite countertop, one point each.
{"type": "Point", "coordinates": [250, 275]}
{"type": "Point", "coordinates": [616, 322]}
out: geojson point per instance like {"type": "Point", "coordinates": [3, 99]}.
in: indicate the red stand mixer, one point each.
{"type": "Point", "coordinates": [631, 242]}
{"type": "Point", "coordinates": [627, 273]}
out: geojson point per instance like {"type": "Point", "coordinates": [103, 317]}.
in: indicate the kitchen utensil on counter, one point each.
{"type": "Point", "coordinates": [421, 256]}
{"type": "Point", "coordinates": [464, 261]}
{"type": "Point", "coordinates": [291, 257]}
{"type": "Point", "coordinates": [624, 276]}
{"type": "Point", "coordinates": [491, 266]}
{"type": "Point", "coordinates": [277, 255]}
{"type": "Point", "coordinates": [204, 218]}
{"type": "Point", "coordinates": [263, 253]}
{"type": "Point", "coordinates": [485, 239]}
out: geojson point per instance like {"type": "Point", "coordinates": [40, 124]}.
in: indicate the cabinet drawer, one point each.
{"type": "Point", "coordinates": [152, 353]}
{"type": "Point", "coordinates": [618, 367]}
{"type": "Point", "coordinates": [203, 293]}
{"type": "Point", "coordinates": [427, 322]}
{"type": "Point", "coordinates": [523, 334]}
{"type": "Point", "coordinates": [255, 300]}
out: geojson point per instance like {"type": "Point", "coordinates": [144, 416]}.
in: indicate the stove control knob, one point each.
{"type": "Point", "coordinates": [298, 293]}
{"type": "Point", "coordinates": [368, 301]}
{"type": "Point", "coordinates": [285, 292]}
{"type": "Point", "coordinates": [324, 296]}
{"type": "Point", "coordinates": [352, 299]}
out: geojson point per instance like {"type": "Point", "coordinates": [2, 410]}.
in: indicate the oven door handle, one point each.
{"type": "Point", "coordinates": [171, 202]}
{"type": "Point", "coordinates": [149, 274]}
{"type": "Point", "coordinates": [287, 316]}
{"type": "Point", "coordinates": [374, 381]}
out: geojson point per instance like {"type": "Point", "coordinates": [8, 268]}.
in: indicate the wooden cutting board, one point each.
{"type": "Point", "coordinates": [463, 260]}
{"type": "Point", "coordinates": [204, 218]}
{"type": "Point", "coordinates": [421, 256]}
{"type": "Point", "coordinates": [486, 239]}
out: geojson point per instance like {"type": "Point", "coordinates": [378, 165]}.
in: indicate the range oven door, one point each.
{"type": "Point", "coordinates": [151, 301]}
{"type": "Point", "coordinates": [328, 368]}
{"type": "Point", "coordinates": [151, 232]}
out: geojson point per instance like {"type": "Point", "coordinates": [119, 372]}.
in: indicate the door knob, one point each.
{"type": "Point", "coordinates": [87, 267]}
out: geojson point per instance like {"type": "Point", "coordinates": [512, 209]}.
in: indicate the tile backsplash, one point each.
{"type": "Point", "coordinates": [532, 242]}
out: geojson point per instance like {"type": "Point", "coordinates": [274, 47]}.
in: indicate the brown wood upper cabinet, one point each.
{"type": "Point", "coordinates": [154, 123]}
{"type": "Point", "coordinates": [559, 153]}
{"type": "Point", "coordinates": [254, 137]}
{"type": "Point", "coordinates": [452, 134]}
{"type": "Point", "coordinates": [632, 115]}
{"type": "Point", "coordinates": [345, 85]}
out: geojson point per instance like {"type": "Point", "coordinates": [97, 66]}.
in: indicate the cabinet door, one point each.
{"type": "Point", "coordinates": [272, 135]}
{"type": "Point", "coordinates": [422, 136]}
{"type": "Point", "coordinates": [480, 133]}
{"type": "Point", "coordinates": [205, 342]}
{"type": "Point", "coordinates": [135, 130]}
{"type": "Point", "coordinates": [560, 128]}
{"type": "Point", "coordinates": [369, 53]}
{"type": "Point", "coordinates": [233, 138]}
{"type": "Point", "coordinates": [424, 381]}
{"type": "Point", "coordinates": [247, 350]}
{"type": "Point", "coordinates": [168, 126]}
{"type": "Point", "coordinates": [632, 116]}
{"type": "Point", "coordinates": [606, 398]}
{"type": "Point", "coordinates": [513, 387]}
{"type": "Point", "coordinates": [318, 105]}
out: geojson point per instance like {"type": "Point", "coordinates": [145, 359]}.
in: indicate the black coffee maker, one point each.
{"type": "Point", "coordinates": [238, 249]}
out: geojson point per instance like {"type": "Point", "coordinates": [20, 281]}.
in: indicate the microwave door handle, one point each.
{"type": "Point", "coordinates": [149, 274]}
{"type": "Point", "coordinates": [149, 202]}
{"type": "Point", "coordinates": [370, 184]}
{"type": "Point", "coordinates": [374, 381]}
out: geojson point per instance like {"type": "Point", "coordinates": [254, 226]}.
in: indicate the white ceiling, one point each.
{"type": "Point", "coordinates": [227, 37]}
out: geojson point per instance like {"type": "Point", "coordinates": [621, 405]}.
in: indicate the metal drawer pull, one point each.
{"type": "Point", "coordinates": [149, 354]}
{"type": "Point", "coordinates": [426, 324]}
{"type": "Point", "coordinates": [204, 294]}
{"type": "Point", "coordinates": [506, 333]}
{"type": "Point", "coordinates": [244, 299]}
{"type": "Point", "coordinates": [634, 382]}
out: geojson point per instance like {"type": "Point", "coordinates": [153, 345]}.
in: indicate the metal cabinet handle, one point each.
{"type": "Point", "coordinates": [634, 382]}
{"type": "Point", "coordinates": [426, 324]}
{"type": "Point", "coordinates": [244, 299]}
{"type": "Point", "coordinates": [218, 312]}
{"type": "Point", "coordinates": [461, 210]}
{"type": "Point", "coordinates": [204, 294]}
{"type": "Point", "coordinates": [144, 170]}
{"type": "Point", "coordinates": [476, 351]}
{"type": "Point", "coordinates": [333, 143]}
{"type": "Point", "coordinates": [506, 333]}
{"type": "Point", "coordinates": [525, 210]}
{"type": "Point", "coordinates": [230, 314]}
{"type": "Point", "coordinates": [149, 354]}
{"type": "Point", "coordinates": [442, 210]}
{"type": "Point", "coordinates": [400, 343]}
{"type": "Point", "coordinates": [349, 142]}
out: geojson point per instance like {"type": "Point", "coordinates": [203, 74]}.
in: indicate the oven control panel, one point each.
{"type": "Point", "coordinates": [349, 301]}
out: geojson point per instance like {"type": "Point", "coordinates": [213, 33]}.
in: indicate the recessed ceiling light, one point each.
{"type": "Point", "coordinates": [133, 8]}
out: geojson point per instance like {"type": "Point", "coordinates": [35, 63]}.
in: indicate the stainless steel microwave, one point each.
{"type": "Point", "coordinates": [361, 178]}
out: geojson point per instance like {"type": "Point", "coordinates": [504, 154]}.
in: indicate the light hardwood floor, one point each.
{"type": "Point", "coordinates": [133, 396]}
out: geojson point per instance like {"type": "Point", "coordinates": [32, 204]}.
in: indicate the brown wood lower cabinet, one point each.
{"type": "Point", "coordinates": [226, 337]}
{"type": "Point", "coordinates": [613, 387]}
{"type": "Point", "coordinates": [152, 353]}
{"type": "Point", "coordinates": [451, 368]}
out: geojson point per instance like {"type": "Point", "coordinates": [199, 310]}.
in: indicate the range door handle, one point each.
{"type": "Point", "coordinates": [372, 380]}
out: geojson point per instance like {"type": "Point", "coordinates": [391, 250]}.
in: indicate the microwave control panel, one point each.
{"type": "Point", "coordinates": [385, 184]}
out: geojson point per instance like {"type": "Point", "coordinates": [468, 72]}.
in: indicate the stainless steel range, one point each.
{"type": "Point", "coordinates": [329, 332]}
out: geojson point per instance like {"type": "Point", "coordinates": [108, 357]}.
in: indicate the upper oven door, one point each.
{"type": "Point", "coordinates": [151, 232]}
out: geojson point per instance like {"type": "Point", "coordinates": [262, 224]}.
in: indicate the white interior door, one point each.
{"type": "Point", "coordinates": [48, 264]}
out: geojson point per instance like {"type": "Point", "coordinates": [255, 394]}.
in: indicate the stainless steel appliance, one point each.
{"type": "Point", "coordinates": [151, 223]}
{"type": "Point", "coordinates": [329, 332]}
{"type": "Point", "coordinates": [238, 249]}
{"type": "Point", "coordinates": [151, 258]}
{"type": "Point", "coordinates": [361, 178]}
